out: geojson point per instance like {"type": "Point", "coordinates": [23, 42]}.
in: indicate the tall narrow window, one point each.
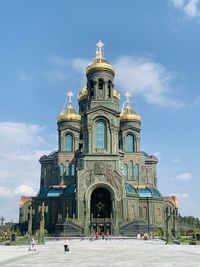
{"type": "Point", "coordinates": [72, 169]}
{"type": "Point", "coordinates": [109, 89]}
{"type": "Point", "coordinates": [100, 87]}
{"type": "Point", "coordinates": [61, 170]}
{"type": "Point", "coordinates": [129, 143]}
{"type": "Point", "coordinates": [100, 134]}
{"type": "Point", "coordinates": [68, 143]}
{"type": "Point", "coordinates": [67, 167]}
{"type": "Point", "coordinates": [136, 172]}
{"type": "Point", "coordinates": [91, 89]}
{"type": "Point", "coordinates": [131, 168]}
{"type": "Point", "coordinates": [126, 170]}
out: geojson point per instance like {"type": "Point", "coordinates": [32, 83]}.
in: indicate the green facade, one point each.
{"type": "Point", "coordinates": [99, 179]}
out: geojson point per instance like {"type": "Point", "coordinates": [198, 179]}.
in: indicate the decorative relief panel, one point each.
{"type": "Point", "coordinates": [102, 172]}
{"type": "Point", "coordinates": [99, 167]}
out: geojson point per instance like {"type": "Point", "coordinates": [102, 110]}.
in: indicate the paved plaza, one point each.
{"type": "Point", "coordinates": [137, 253]}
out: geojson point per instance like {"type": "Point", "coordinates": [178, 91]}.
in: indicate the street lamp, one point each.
{"type": "Point", "coordinates": [168, 226]}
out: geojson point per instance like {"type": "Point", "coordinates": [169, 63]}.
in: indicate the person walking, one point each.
{"type": "Point", "coordinates": [66, 245]}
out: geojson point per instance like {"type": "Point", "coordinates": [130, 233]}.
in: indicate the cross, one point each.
{"type": "Point", "coordinates": [128, 95]}
{"type": "Point", "coordinates": [99, 49]}
{"type": "Point", "coordinates": [70, 94]}
{"type": "Point", "coordinates": [43, 209]}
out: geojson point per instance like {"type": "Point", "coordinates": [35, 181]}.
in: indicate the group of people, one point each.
{"type": "Point", "coordinates": [102, 235]}
{"type": "Point", "coordinates": [32, 245]}
{"type": "Point", "coordinates": [142, 236]}
{"type": "Point", "coordinates": [97, 236]}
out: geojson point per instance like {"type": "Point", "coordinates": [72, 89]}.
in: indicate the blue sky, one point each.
{"type": "Point", "coordinates": [44, 49]}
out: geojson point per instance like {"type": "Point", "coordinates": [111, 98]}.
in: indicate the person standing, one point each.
{"type": "Point", "coordinates": [66, 245]}
{"type": "Point", "coordinates": [33, 244]}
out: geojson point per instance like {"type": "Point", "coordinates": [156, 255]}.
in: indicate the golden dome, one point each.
{"type": "Point", "coordinates": [69, 114]}
{"type": "Point", "coordinates": [116, 94]}
{"type": "Point", "coordinates": [100, 63]}
{"type": "Point", "coordinates": [128, 114]}
{"type": "Point", "coordinates": [83, 93]}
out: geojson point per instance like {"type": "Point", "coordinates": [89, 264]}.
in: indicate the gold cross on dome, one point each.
{"type": "Point", "coordinates": [127, 95]}
{"type": "Point", "coordinates": [70, 94]}
{"type": "Point", "coordinates": [99, 49]}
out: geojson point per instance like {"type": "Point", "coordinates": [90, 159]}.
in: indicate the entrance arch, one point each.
{"type": "Point", "coordinates": [101, 205]}
{"type": "Point", "coordinates": [100, 211]}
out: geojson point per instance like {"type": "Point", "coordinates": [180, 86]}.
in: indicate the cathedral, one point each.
{"type": "Point", "coordinates": [99, 179]}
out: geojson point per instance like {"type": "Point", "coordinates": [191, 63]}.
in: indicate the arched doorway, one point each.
{"type": "Point", "coordinates": [101, 210]}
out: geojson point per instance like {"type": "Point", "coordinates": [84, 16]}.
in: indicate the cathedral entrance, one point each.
{"type": "Point", "coordinates": [101, 211]}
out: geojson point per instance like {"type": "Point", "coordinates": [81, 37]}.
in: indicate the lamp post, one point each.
{"type": "Point", "coordinates": [67, 214]}
{"type": "Point", "coordinates": [42, 210]}
{"type": "Point", "coordinates": [2, 220]}
{"type": "Point", "coordinates": [195, 234]}
{"type": "Point", "coordinates": [168, 226]}
{"type": "Point", "coordinates": [31, 212]}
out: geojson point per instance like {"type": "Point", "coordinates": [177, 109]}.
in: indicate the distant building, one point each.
{"type": "Point", "coordinates": [99, 179]}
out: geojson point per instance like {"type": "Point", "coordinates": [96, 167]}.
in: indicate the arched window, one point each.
{"type": "Point", "coordinates": [72, 169]}
{"type": "Point", "coordinates": [61, 170]}
{"type": "Point", "coordinates": [100, 84]}
{"type": "Point", "coordinates": [136, 172]}
{"type": "Point", "coordinates": [100, 135]}
{"type": "Point", "coordinates": [67, 167]}
{"type": "Point", "coordinates": [130, 143]}
{"type": "Point", "coordinates": [68, 143]}
{"type": "Point", "coordinates": [100, 87]}
{"type": "Point", "coordinates": [126, 170]}
{"type": "Point", "coordinates": [131, 168]}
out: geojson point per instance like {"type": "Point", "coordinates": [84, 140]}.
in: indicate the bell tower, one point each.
{"type": "Point", "coordinates": [100, 87]}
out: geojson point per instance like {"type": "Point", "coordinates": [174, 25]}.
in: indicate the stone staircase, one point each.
{"type": "Point", "coordinates": [68, 228]}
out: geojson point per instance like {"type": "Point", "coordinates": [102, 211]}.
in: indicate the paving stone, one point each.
{"type": "Point", "coordinates": [102, 253]}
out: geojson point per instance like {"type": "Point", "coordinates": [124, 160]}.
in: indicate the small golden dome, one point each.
{"type": "Point", "coordinates": [100, 63]}
{"type": "Point", "coordinates": [128, 114]}
{"type": "Point", "coordinates": [116, 94]}
{"type": "Point", "coordinates": [83, 93]}
{"type": "Point", "coordinates": [69, 114]}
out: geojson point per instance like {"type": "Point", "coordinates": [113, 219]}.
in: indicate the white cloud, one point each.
{"type": "Point", "coordinates": [143, 76]}
{"type": "Point", "coordinates": [178, 3]}
{"type": "Point", "coordinates": [21, 145]}
{"type": "Point", "coordinates": [184, 176]}
{"type": "Point", "coordinates": [139, 75]}
{"type": "Point", "coordinates": [190, 7]}
{"type": "Point", "coordinates": [15, 135]}
{"type": "Point", "coordinates": [25, 190]}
